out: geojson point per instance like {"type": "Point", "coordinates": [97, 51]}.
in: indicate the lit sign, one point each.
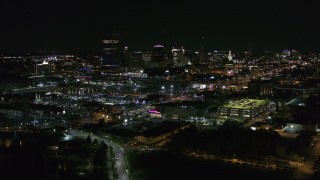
{"type": "Point", "coordinates": [154, 111]}
{"type": "Point", "coordinates": [158, 46]}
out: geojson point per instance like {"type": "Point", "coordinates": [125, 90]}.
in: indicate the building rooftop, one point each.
{"type": "Point", "coordinates": [162, 128]}
{"type": "Point", "coordinates": [245, 104]}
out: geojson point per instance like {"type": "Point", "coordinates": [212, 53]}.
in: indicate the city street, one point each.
{"type": "Point", "coordinates": [121, 166]}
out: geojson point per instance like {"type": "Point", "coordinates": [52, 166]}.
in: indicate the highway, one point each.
{"type": "Point", "coordinates": [121, 168]}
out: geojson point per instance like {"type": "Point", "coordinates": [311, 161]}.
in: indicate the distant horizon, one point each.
{"type": "Point", "coordinates": [167, 49]}
{"type": "Point", "coordinates": [81, 25]}
{"type": "Point", "coordinates": [95, 46]}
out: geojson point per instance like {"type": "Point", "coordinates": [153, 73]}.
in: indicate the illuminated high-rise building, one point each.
{"type": "Point", "coordinates": [178, 57]}
{"type": "Point", "coordinates": [43, 68]}
{"type": "Point", "coordinates": [110, 55]}
{"type": "Point", "coordinates": [230, 56]}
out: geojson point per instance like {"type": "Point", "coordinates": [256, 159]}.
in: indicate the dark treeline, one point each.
{"type": "Point", "coordinates": [34, 156]}
{"type": "Point", "coordinates": [231, 139]}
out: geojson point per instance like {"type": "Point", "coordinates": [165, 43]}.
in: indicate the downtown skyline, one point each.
{"type": "Point", "coordinates": [121, 90]}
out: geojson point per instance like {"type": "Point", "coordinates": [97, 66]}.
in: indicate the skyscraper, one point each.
{"type": "Point", "coordinates": [110, 49]}
{"type": "Point", "coordinates": [43, 68]}
{"type": "Point", "coordinates": [178, 57]}
{"type": "Point", "coordinates": [158, 53]}
{"type": "Point", "coordinates": [203, 53]}
{"type": "Point", "coordinates": [125, 57]}
{"type": "Point", "coordinates": [158, 58]}
{"type": "Point", "coordinates": [230, 56]}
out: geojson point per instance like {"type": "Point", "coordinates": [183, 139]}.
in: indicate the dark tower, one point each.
{"type": "Point", "coordinates": [125, 57]}
{"type": "Point", "coordinates": [203, 52]}
{"type": "Point", "coordinates": [110, 50]}
{"type": "Point", "coordinates": [25, 108]}
{"type": "Point", "coordinates": [158, 53]}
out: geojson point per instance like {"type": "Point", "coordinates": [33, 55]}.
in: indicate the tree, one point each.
{"type": "Point", "coordinates": [95, 141]}
{"type": "Point", "coordinates": [101, 122]}
{"type": "Point", "coordinates": [104, 146]}
{"type": "Point", "coordinates": [100, 158]}
{"type": "Point", "coordinates": [88, 140]}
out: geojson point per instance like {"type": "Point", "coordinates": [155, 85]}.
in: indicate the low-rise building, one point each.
{"type": "Point", "coordinates": [244, 108]}
{"type": "Point", "coordinates": [160, 133]}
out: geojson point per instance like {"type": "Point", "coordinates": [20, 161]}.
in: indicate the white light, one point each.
{"type": "Point", "coordinates": [110, 41]}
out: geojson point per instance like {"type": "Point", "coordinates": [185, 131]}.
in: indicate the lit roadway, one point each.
{"type": "Point", "coordinates": [276, 164]}
{"type": "Point", "coordinates": [306, 170]}
{"type": "Point", "coordinates": [121, 168]}
{"type": "Point", "coordinates": [260, 118]}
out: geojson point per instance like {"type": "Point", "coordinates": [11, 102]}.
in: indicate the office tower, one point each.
{"type": "Point", "coordinates": [126, 60]}
{"type": "Point", "coordinates": [110, 49]}
{"type": "Point", "coordinates": [203, 53]}
{"type": "Point", "coordinates": [230, 56]}
{"type": "Point", "coordinates": [178, 57]}
{"type": "Point", "coordinates": [158, 53]}
{"type": "Point", "coordinates": [136, 60]}
{"type": "Point", "coordinates": [43, 68]}
{"type": "Point", "coordinates": [257, 88]}
{"type": "Point", "coordinates": [158, 58]}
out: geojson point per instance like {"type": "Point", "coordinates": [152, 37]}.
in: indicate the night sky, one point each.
{"type": "Point", "coordinates": [80, 25]}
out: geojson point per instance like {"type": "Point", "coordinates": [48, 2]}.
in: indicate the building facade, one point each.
{"type": "Point", "coordinates": [178, 57]}
{"type": "Point", "coordinates": [110, 50]}
{"type": "Point", "coordinates": [43, 68]}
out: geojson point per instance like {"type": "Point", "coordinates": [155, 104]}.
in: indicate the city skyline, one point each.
{"type": "Point", "coordinates": [81, 26]}
{"type": "Point", "coordinates": [119, 90]}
